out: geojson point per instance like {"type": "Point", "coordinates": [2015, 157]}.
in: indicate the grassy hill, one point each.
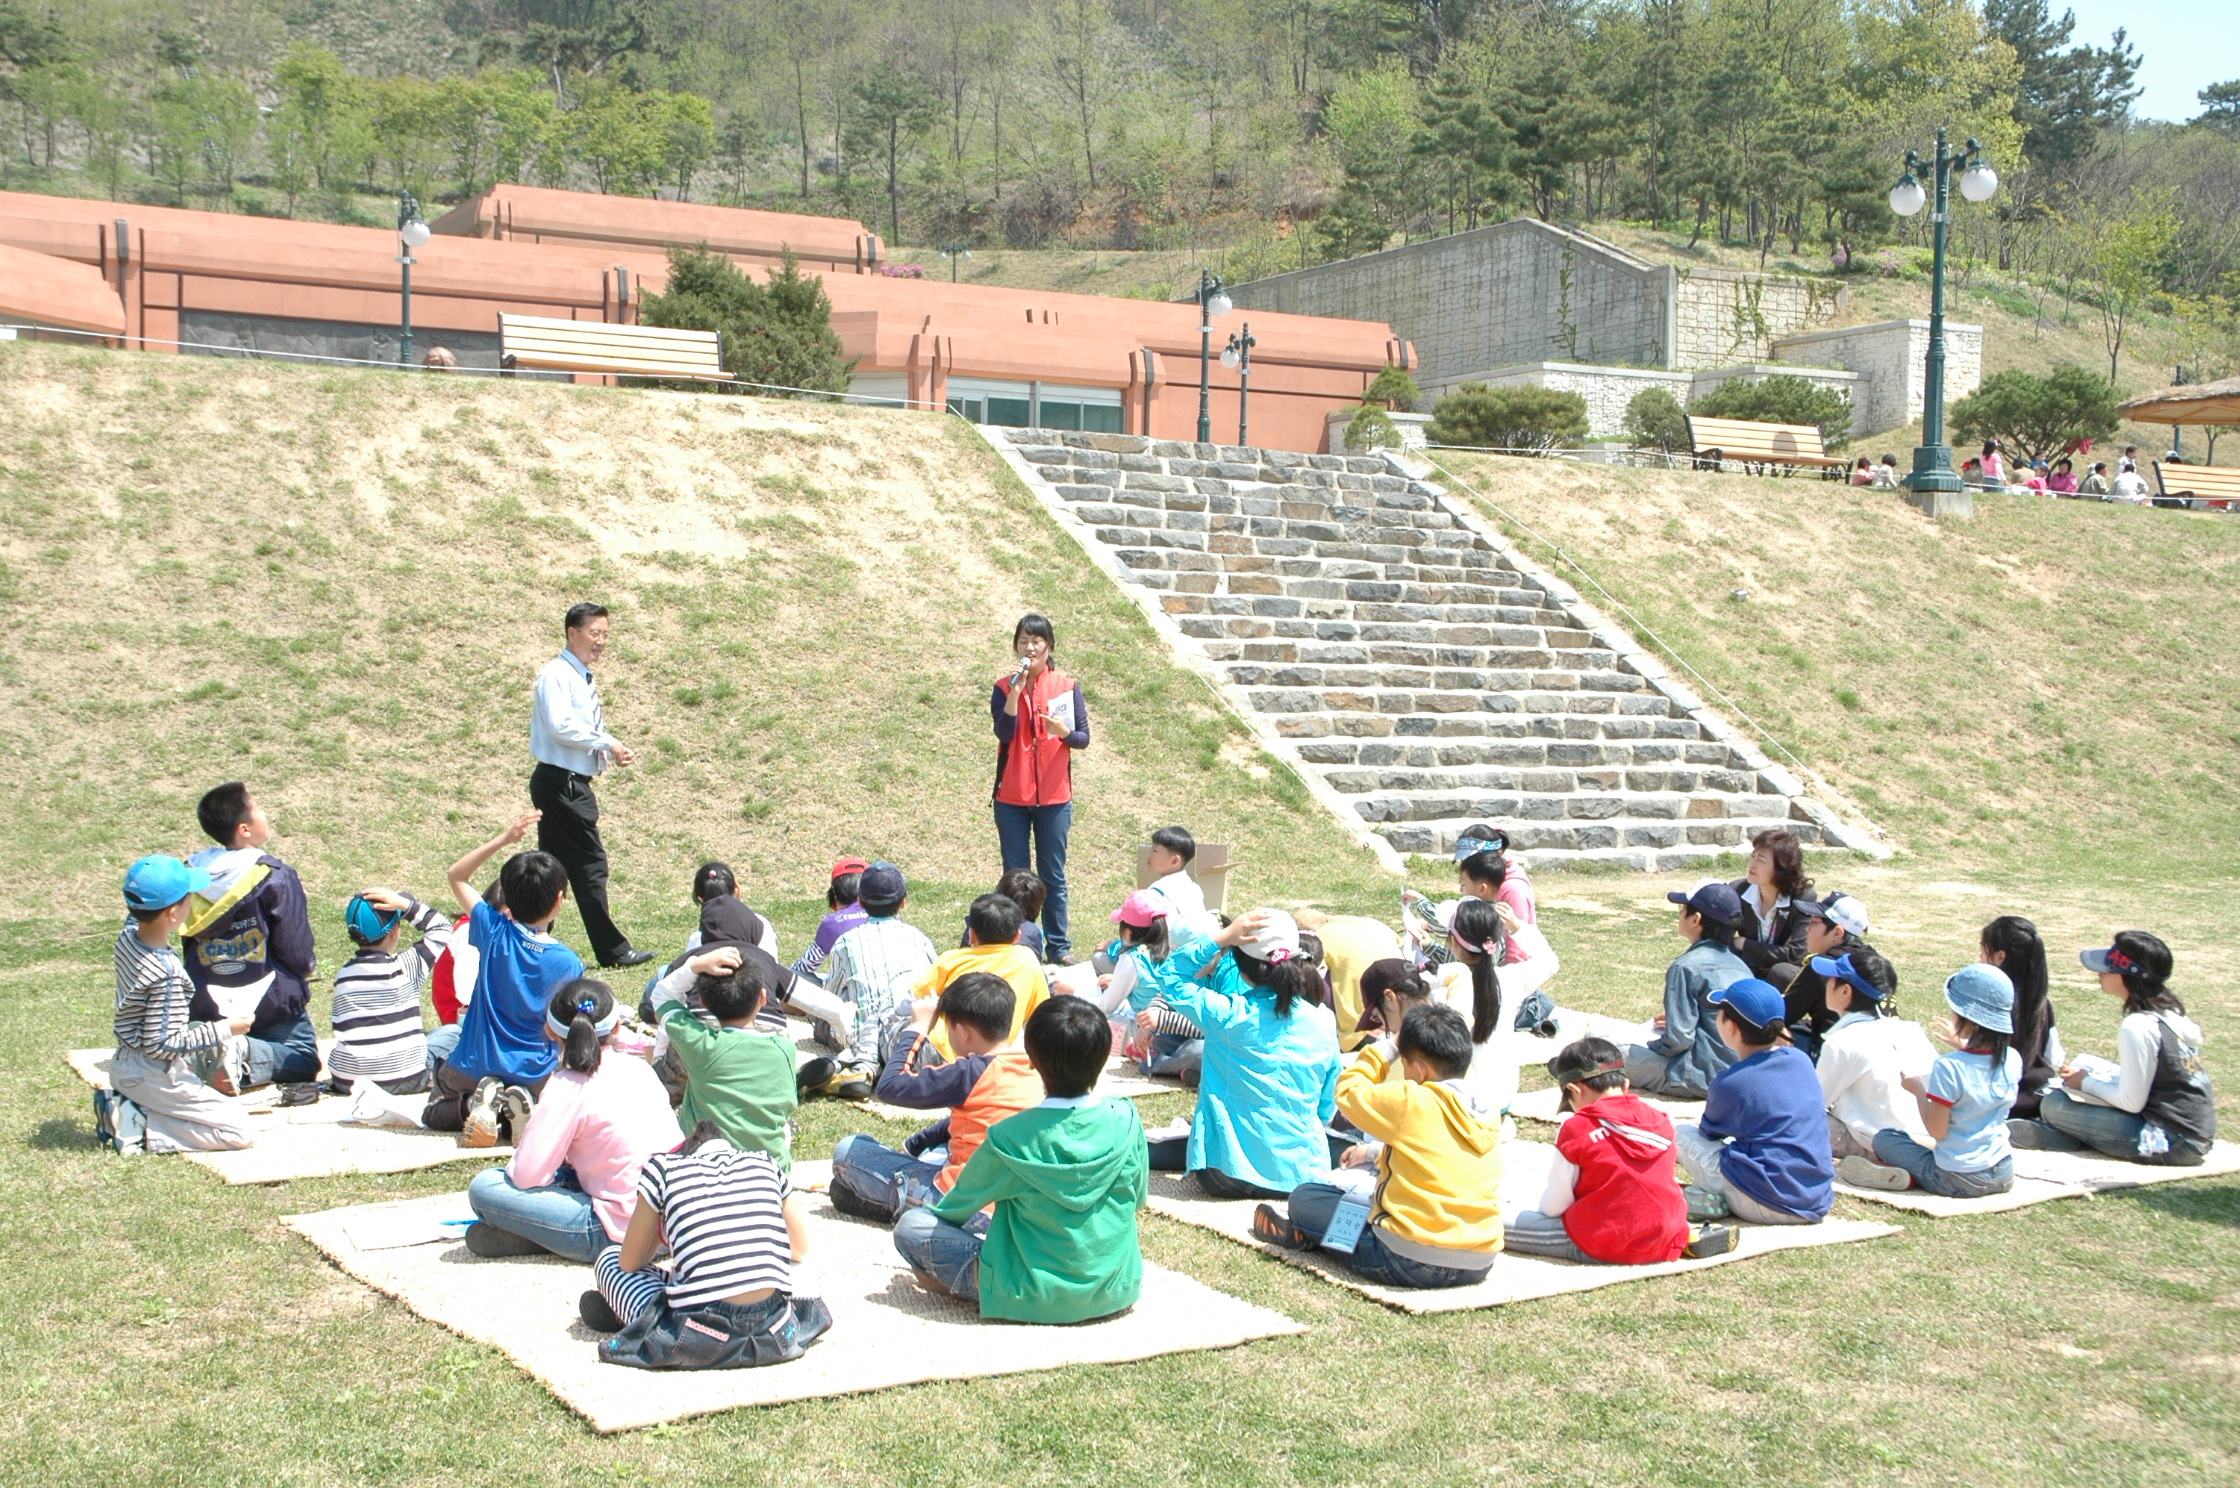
{"type": "Point", "coordinates": [339, 585]}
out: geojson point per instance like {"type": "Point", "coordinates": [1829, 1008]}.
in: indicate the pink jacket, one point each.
{"type": "Point", "coordinates": [604, 1125]}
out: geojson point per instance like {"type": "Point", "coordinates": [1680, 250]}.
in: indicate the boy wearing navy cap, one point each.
{"type": "Point", "coordinates": [155, 1102]}
{"type": "Point", "coordinates": [1760, 1151]}
{"type": "Point", "coordinates": [1687, 1051]}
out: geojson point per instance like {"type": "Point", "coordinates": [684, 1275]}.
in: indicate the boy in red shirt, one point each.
{"type": "Point", "coordinates": [1612, 1197]}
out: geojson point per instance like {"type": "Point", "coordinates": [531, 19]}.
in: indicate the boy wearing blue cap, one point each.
{"type": "Point", "coordinates": [1760, 1151]}
{"type": "Point", "coordinates": [378, 1035]}
{"type": "Point", "coordinates": [1687, 1050]}
{"type": "Point", "coordinates": [1964, 1100]}
{"type": "Point", "coordinates": [155, 1102]}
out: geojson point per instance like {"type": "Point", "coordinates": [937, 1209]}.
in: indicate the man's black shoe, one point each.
{"type": "Point", "coordinates": [631, 957]}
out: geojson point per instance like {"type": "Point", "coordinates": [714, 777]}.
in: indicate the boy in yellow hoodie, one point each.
{"type": "Point", "coordinates": [992, 930]}
{"type": "Point", "coordinates": [1434, 1218]}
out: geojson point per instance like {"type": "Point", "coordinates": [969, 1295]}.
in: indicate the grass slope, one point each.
{"type": "Point", "coordinates": [808, 602]}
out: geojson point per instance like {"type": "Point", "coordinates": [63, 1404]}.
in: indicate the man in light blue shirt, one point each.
{"type": "Point", "coordinates": [568, 736]}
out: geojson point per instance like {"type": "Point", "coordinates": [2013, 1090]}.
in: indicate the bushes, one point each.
{"type": "Point", "coordinates": [1530, 419]}
{"type": "Point", "coordinates": [1781, 400]}
{"type": "Point", "coordinates": [779, 333]}
{"type": "Point", "coordinates": [1371, 428]}
{"type": "Point", "coordinates": [2035, 417]}
{"type": "Point", "coordinates": [1655, 420]}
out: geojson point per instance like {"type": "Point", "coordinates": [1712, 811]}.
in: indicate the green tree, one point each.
{"type": "Point", "coordinates": [741, 142]}
{"type": "Point", "coordinates": [891, 110]}
{"type": "Point", "coordinates": [775, 334]}
{"type": "Point", "coordinates": [2128, 245]}
{"type": "Point", "coordinates": [1371, 428]}
{"type": "Point", "coordinates": [2220, 107]}
{"type": "Point", "coordinates": [1655, 420]}
{"type": "Point", "coordinates": [104, 117]}
{"type": "Point", "coordinates": [325, 110]}
{"type": "Point", "coordinates": [2036, 417]}
{"type": "Point", "coordinates": [1394, 387]}
{"type": "Point", "coordinates": [2067, 94]}
{"type": "Point", "coordinates": [688, 134]}
{"type": "Point", "coordinates": [1528, 420]}
{"type": "Point", "coordinates": [620, 134]}
{"type": "Point", "coordinates": [1781, 399]}
{"type": "Point", "coordinates": [411, 134]}
{"type": "Point", "coordinates": [1372, 121]}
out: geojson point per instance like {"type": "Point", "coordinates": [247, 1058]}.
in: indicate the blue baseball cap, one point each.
{"type": "Point", "coordinates": [158, 882]}
{"type": "Point", "coordinates": [367, 924]}
{"type": "Point", "coordinates": [882, 883]}
{"type": "Point", "coordinates": [1713, 900]}
{"type": "Point", "coordinates": [1840, 967]}
{"type": "Point", "coordinates": [1982, 994]}
{"type": "Point", "coordinates": [1754, 1001]}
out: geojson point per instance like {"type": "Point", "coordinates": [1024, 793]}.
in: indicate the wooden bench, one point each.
{"type": "Point", "coordinates": [2205, 487]}
{"type": "Point", "coordinates": [537, 343]}
{"type": "Point", "coordinates": [1758, 447]}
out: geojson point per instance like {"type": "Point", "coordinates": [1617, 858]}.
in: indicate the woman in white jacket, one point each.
{"type": "Point", "coordinates": [1866, 1057]}
{"type": "Point", "coordinates": [1488, 993]}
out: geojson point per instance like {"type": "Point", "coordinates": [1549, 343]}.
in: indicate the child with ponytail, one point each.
{"type": "Point", "coordinates": [2153, 1103]}
{"type": "Point", "coordinates": [2011, 943]}
{"type": "Point", "coordinates": [574, 1175]}
{"type": "Point", "coordinates": [1270, 1080]}
{"type": "Point", "coordinates": [1487, 984]}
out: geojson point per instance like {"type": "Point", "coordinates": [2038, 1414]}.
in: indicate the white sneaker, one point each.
{"type": "Point", "coordinates": [481, 1126]}
{"type": "Point", "coordinates": [1862, 1172]}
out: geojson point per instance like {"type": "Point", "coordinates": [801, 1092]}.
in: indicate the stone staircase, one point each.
{"type": "Point", "coordinates": [1419, 672]}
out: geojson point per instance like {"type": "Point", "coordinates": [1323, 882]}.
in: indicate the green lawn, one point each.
{"type": "Point", "coordinates": [809, 604]}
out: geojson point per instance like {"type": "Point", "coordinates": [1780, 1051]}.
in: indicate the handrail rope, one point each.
{"type": "Point", "coordinates": [1642, 626]}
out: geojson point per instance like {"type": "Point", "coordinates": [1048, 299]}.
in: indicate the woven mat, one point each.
{"type": "Point", "coordinates": [309, 1141]}
{"type": "Point", "coordinates": [1544, 1106]}
{"type": "Point", "coordinates": [1513, 1278]}
{"type": "Point", "coordinates": [1572, 1025]}
{"type": "Point", "coordinates": [2041, 1177]}
{"type": "Point", "coordinates": [887, 1330]}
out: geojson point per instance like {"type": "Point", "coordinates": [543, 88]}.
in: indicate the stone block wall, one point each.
{"type": "Point", "coordinates": [1891, 356]}
{"type": "Point", "coordinates": [1722, 316]}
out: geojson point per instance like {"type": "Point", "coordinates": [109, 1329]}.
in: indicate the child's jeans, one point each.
{"type": "Point", "coordinates": [558, 1216]}
{"type": "Point", "coordinates": [1535, 1234]}
{"type": "Point", "coordinates": [283, 1054]}
{"type": "Point", "coordinates": [1894, 1149]}
{"type": "Point", "coordinates": [1699, 1156]}
{"type": "Point", "coordinates": [183, 1114]}
{"type": "Point", "coordinates": [2066, 1124]}
{"type": "Point", "coordinates": [871, 1180]}
{"type": "Point", "coordinates": [948, 1253]}
{"type": "Point", "coordinates": [1171, 1055]}
{"type": "Point", "coordinates": [1650, 1073]}
{"type": "Point", "coordinates": [441, 1041]}
{"type": "Point", "coordinates": [1314, 1205]}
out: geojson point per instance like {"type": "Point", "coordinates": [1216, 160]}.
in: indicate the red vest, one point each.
{"type": "Point", "coordinates": [1034, 767]}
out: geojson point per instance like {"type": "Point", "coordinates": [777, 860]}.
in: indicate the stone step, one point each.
{"type": "Point", "coordinates": [1520, 752]}
{"type": "Point", "coordinates": [1276, 651]}
{"type": "Point", "coordinates": [1537, 692]}
{"type": "Point", "coordinates": [1226, 624]}
{"type": "Point", "coordinates": [1529, 806]}
{"type": "Point", "coordinates": [1729, 778]}
{"type": "Point", "coordinates": [1565, 840]}
{"type": "Point", "coordinates": [1513, 725]}
{"type": "Point", "coordinates": [1503, 671]}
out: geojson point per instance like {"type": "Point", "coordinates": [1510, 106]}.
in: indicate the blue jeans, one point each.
{"type": "Point", "coordinates": [442, 1039]}
{"type": "Point", "coordinates": [1313, 1205]}
{"type": "Point", "coordinates": [1894, 1149]}
{"type": "Point", "coordinates": [1535, 1234]}
{"type": "Point", "coordinates": [880, 1182]}
{"type": "Point", "coordinates": [1171, 1054]}
{"type": "Point", "coordinates": [2066, 1124]}
{"type": "Point", "coordinates": [1050, 826]}
{"type": "Point", "coordinates": [285, 1053]}
{"type": "Point", "coordinates": [558, 1216]}
{"type": "Point", "coordinates": [947, 1253]}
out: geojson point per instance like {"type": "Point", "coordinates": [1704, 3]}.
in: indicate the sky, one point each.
{"type": "Point", "coordinates": [2187, 45]}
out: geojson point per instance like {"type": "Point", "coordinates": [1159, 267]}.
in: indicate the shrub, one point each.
{"type": "Point", "coordinates": [777, 333]}
{"type": "Point", "coordinates": [1395, 388]}
{"type": "Point", "coordinates": [2036, 417]}
{"type": "Point", "coordinates": [1655, 420]}
{"type": "Point", "coordinates": [1781, 400]}
{"type": "Point", "coordinates": [1530, 419]}
{"type": "Point", "coordinates": [1371, 428]}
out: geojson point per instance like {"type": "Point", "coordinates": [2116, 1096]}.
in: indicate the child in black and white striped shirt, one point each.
{"type": "Point", "coordinates": [378, 1035]}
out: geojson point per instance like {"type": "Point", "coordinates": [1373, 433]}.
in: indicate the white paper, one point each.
{"type": "Point", "coordinates": [1061, 713]}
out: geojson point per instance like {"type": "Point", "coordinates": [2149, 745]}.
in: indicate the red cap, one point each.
{"type": "Point", "coordinates": [849, 865]}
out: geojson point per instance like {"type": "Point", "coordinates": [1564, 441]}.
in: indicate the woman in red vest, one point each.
{"type": "Point", "coordinates": [1040, 720]}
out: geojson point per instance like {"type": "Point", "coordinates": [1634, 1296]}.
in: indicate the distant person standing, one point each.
{"type": "Point", "coordinates": [1040, 720]}
{"type": "Point", "coordinates": [568, 735]}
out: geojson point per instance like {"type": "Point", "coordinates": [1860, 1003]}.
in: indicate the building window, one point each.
{"type": "Point", "coordinates": [1020, 405]}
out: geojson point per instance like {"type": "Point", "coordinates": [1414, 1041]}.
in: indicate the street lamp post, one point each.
{"type": "Point", "coordinates": [1937, 488]}
{"type": "Point", "coordinates": [1237, 356]}
{"type": "Point", "coordinates": [953, 252]}
{"type": "Point", "coordinates": [1213, 303]}
{"type": "Point", "coordinates": [411, 233]}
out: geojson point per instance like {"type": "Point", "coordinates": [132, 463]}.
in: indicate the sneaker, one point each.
{"type": "Point", "coordinates": [480, 1129]}
{"type": "Point", "coordinates": [1865, 1172]}
{"type": "Point", "coordinates": [104, 1124]}
{"type": "Point", "coordinates": [513, 1105]}
{"type": "Point", "coordinates": [814, 1074]}
{"type": "Point", "coordinates": [1189, 1078]}
{"type": "Point", "coordinates": [129, 1125]}
{"type": "Point", "coordinates": [596, 1314]}
{"type": "Point", "coordinates": [811, 1320]}
{"type": "Point", "coordinates": [629, 956]}
{"type": "Point", "coordinates": [851, 1082]}
{"type": "Point", "coordinates": [1705, 1203]}
{"type": "Point", "coordinates": [231, 1077]}
{"type": "Point", "coordinates": [492, 1243]}
{"type": "Point", "coordinates": [856, 1206]}
{"type": "Point", "coordinates": [1712, 1240]}
{"type": "Point", "coordinates": [1277, 1230]}
{"type": "Point", "coordinates": [298, 1095]}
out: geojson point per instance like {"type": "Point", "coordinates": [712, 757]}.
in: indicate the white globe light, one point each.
{"type": "Point", "coordinates": [415, 233]}
{"type": "Point", "coordinates": [1229, 357]}
{"type": "Point", "coordinates": [1907, 197]}
{"type": "Point", "coordinates": [1219, 305]}
{"type": "Point", "coordinates": [1977, 183]}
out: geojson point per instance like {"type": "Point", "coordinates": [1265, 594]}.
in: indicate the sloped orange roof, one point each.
{"type": "Point", "coordinates": [511, 211]}
{"type": "Point", "coordinates": [46, 290]}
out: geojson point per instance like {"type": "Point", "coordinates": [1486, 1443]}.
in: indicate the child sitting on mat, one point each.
{"type": "Point", "coordinates": [1688, 1049]}
{"type": "Point", "coordinates": [992, 946]}
{"type": "Point", "coordinates": [1173, 850]}
{"type": "Point", "coordinates": [377, 1031]}
{"type": "Point", "coordinates": [737, 1074]}
{"type": "Point", "coordinates": [870, 969]}
{"type": "Point", "coordinates": [1155, 947]}
{"type": "Point", "coordinates": [1434, 1218]}
{"type": "Point", "coordinates": [843, 913]}
{"type": "Point", "coordinates": [1760, 1151]}
{"type": "Point", "coordinates": [1611, 1198]}
{"type": "Point", "coordinates": [2153, 1103]}
{"type": "Point", "coordinates": [1963, 1101]}
{"type": "Point", "coordinates": [1271, 1063]}
{"type": "Point", "coordinates": [734, 1235]}
{"type": "Point", "coordinates": [1867, 1053]}
{"type": "Point", "coordinates": [986, 1081]}
{"type": "Point", "coordinates": [1021, 887]}
{"type": "Point", "coordinates": [1066, 1177]}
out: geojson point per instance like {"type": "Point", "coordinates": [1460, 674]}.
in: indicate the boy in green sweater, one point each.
{"type": "Point", "coordinates": [736, 1075]}
{"type": "Point", "coordinates": [1066, 1178]}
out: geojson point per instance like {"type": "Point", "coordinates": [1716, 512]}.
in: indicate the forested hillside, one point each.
{"type": "Point", "coordinates": [1285, 132]}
